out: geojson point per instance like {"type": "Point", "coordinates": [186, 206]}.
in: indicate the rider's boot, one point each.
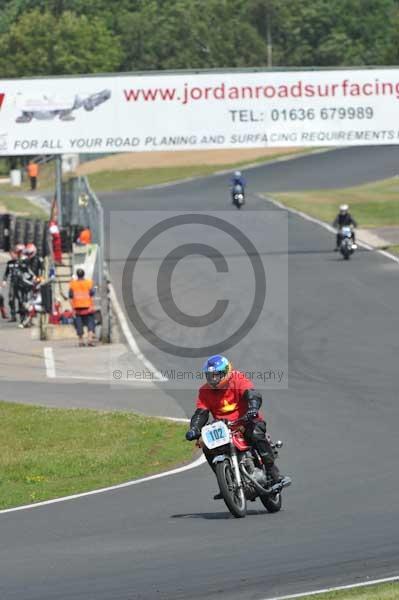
{"type": "Point", "coordinates": [274, 472]}
{"type": "Point", "coordinates": [277, 478]}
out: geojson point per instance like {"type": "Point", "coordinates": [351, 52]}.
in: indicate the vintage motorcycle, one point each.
{"type": "Point", "coordinates": [240, 472]}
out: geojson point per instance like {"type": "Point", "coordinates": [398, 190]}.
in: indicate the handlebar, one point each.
{"type": "Point", "coordinates": [230, 423]}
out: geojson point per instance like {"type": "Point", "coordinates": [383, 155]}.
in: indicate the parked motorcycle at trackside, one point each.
{"type": "Point", "coordinates": [240, 472]}
{"type": "Point", "coordinates": [347, 245]}
{"type": "Point", "coordinates": [238, 195]}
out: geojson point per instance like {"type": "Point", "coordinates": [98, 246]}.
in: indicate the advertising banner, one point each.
{"type": "Point", "coordinates": [133, 112]}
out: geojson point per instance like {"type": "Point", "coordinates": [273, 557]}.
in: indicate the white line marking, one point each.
{"type": "Point", "coordinates": [325, 226]}
{"type": "Point", "coordinates": [198, 462]}
{"type": "Point", "coordinates": [176, 419]}
{"type": "Point", "coordinates": [49, 362]}
{"type": "Point", "coordinates": [130, 339]}
{"type": "Point", "coordinates": [337, 589]}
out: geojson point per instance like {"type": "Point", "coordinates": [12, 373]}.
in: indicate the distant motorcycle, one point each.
{"type": "Point", "coordinates": [347, 245]}
{"type": "Point", "coordinates": [240, 472]}
{"type": "Point", "coordinates": [238, 196]}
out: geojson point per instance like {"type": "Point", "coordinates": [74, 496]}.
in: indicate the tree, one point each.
{"type": "Point", "coordinates": [41, 44]}
{"type": "Point", "coordinates": [183, 35]}
{"type": "Point", "coordinates": [81, 36]}
{"type": "Point", "coordinates": [325, 33]}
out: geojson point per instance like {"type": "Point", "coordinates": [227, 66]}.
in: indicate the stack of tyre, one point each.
{"type": "Point", "coordinates": [21, 230]}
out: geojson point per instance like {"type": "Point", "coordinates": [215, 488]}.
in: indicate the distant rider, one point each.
{"type": "Point", "coordinates": [11, 276]}
{"type": "Point", "coordinates": [238, 179]}
{"type": "Point", "coordinates": [34, 261]}
{"type": "Point", "coordinates": [228, 394]}
{"type": "Point", "coordinates": [25, 280]}
{"type": "Point", "coordinates": [344, 219]}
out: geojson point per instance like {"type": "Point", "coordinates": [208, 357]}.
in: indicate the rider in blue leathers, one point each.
{"type": "Point", "coordinates": [238, 179]}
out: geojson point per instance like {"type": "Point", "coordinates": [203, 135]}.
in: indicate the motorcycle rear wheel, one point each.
{"type": "Point", "coordinates": [233, 497]}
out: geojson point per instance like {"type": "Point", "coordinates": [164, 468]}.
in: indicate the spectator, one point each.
{"type": "Point", "coordinates": [36, 264]}
{"type": "Point", "coordinates": [11, 275]}
{"type": "Point", "coordinates": [84, 237]}
{"type": "Point", "coordinates": [81, 294]}
{"type": "Point", "coordinates": [56, 241]}
{"type": "Point", "coordinates": [33, 172]}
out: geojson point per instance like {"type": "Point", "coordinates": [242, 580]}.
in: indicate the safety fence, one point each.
{"type": "Point", "coordinates": [80, 207]}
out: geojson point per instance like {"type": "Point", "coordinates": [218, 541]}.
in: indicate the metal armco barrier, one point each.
{"type": "Point", "coordinates": [81, 207]}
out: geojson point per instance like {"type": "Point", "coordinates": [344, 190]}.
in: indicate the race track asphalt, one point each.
{"type": "Point", "coordinates": [338, 416]}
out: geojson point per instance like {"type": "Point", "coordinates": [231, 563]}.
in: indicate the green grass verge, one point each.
{"type": "Point", "coordinates": [48, 453]}
{"type": "Point", "coordinates": [109, 181]}
{"type": "Point", "coordinates": [373, 205]}
{"type": "Point", "coordinates": [393, 249]}
{"type": "Point", "coordinates": [21, 206]}
{"type": "Point", "coordinates": [386, 591]}
{"type": "Point", "coordinates": [113, 181]}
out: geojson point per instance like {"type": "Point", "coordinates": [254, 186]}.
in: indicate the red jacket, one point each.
{"type": "Point", "coordinates": [226, 402]}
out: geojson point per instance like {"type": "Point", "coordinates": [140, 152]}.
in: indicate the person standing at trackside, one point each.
{"type": "Point", "coordinates": [84, 236]}
{"type": "Point", "coordinates": [344, 219]}
{"type": "Point", "coordinates": [35, 262]}
{"type": "Point", "coordinates": [56, 241]}
{"type": "Point", "coordinates": [81, 294]}
{"type": "Point", "coordinates": [11, 276]}
{"type": "Point", "coordinates": [33, 172]}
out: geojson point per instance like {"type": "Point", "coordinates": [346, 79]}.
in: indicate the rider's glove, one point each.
{"type": "Point", "coordinates": [192, 434]}
{"type": "Point", "coordinates": [252, 413]}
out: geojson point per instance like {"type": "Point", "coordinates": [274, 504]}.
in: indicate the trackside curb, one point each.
{"type": "Point", "coordinates": [350, 586]}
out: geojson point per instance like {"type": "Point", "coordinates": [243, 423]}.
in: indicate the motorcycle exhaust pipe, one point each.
{"type": "Point", "coordinates": [275, 489]}
{"type": "Point", "coordinates": [263, 491]}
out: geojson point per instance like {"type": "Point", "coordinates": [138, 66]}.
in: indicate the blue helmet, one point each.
{"type": "Point", "coordinates": [217, 369]}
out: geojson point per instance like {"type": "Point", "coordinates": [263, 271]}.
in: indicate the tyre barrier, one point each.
{"type": "Point", "coordinates": [19, 231]}
{"type": "Point", "coordinates": [39, 237]}
{"type": "Point", "coordinates": [29, 231]}
{"type": "Point", "coordinates": [3, 232]}
{"type": "Point", "coordinates": [22, 230]}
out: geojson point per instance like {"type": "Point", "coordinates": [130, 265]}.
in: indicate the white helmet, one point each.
{"type": "Point", "coordinates": [344, 208]}
{"type": "Point", "coordinates": [30, 250]}
{"type": "Point", "coordinates": [237, 174]}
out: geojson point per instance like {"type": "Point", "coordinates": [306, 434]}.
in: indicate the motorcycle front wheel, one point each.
{"type": "Point", "coordinates": [233, 496]}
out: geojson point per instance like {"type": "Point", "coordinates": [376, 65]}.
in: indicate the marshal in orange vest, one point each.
{"type": "Point", "coordinates": [33, 169]}
{"type": "Point", "coordinates": [85, 236]}
{"type": "Point", "coordinates": [81, 298]}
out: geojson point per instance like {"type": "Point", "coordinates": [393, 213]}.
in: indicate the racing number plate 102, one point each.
{"type": "Point", "coordinates": [216, 434]}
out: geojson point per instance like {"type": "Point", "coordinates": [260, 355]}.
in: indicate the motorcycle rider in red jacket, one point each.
{"type": "Point", "coordinates": [229, 394]}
